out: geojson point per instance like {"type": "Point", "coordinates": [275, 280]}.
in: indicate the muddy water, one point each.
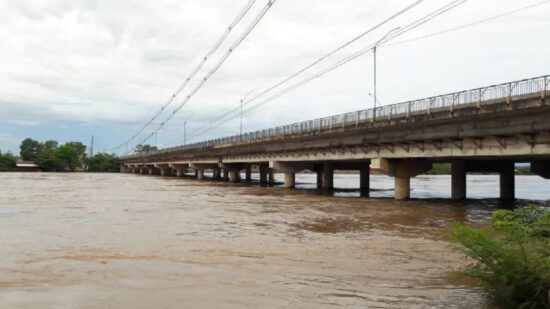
{"type": "Point", "coordinates": [130, 241]}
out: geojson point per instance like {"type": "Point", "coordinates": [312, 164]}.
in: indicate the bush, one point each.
{"type": "Point", "coordinates": [104, 162]}
{"type": "Point", "coordinates": [7, 162]}
{"type": "Point", "coordinates": [512, 256]}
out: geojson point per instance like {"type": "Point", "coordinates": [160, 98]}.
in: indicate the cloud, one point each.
{"type": "Point", "coordinates": [114, 63]}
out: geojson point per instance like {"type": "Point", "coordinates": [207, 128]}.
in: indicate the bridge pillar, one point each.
{"type": "Point", "coordinates": [328, 175]}
{"type": "Point", "coordinates": [402, 170]}
{"type": "Point", "coordinates": [364, 180]}
{"type": "Point", "coordinates": [234, 176]}
{"type": "Point", "coordinates": [458, 180]}
{"type": "Point", "coordinates": [179, 172]}
{"type": "Point", "coordinates": [153, 171]}
{"type": "Point", "coordinates": [541, 168]}
{"type": "Point", "coordinates": [319, 173]}
{"type": "Point", "coordinates": [290, 180]}
{"type": "Point", "coordinates": [507, 181]}
{"type": "Point", "coordinates": [271, 175]}
{"type": "Point", "coordinates": [402, 187]}
{"type": "Point", "coordinates": [142, 170]}
{"type": "Point", "coordinates": [248, 173]}
{"type": "Point", "coordinates": [225, 175]}
{"type": "Point", "coordinates": [200, 174]}
{"type": "Point", "coordinates": [263, 174]}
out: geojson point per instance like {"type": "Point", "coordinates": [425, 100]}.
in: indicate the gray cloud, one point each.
{"type": "Point", "coordinates": [116, 62]}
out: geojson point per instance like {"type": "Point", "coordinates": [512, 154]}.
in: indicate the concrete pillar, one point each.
{"type": "Point", "coordinates": [151, 171]}
{"type": "Point", "coordinates": [364, 180]}
{"type": "Point", "coordinates": [271, 175]}
{"type": "Point", "coordinates": [328, 175]}
{"type": "Point", "coordinates": [290, 180]}
{"type": "Point", "coordinates": [225, 175]}
{"type": "Point", "coordinates": [402, 188]}
{"type": "Point", "coordinates": [507, 181]}
{"type": "Point", "coordinates": [319, 179]}
{"type": "Point", "coordinates": [142, 170]}
{"type": "Point", "coordinates": [263, 174]}
{"type": "Point", "coordinates": [200, 174]}
{"type": "Point", "coordinates": [179, 172]}
{"type": "Point", "coordinates": [218, 173]}
{"type": "Point", "coordinates": [248, 173]}
{"type": "Point", "coordinates": [458, 180]}
{"type": "Point", "coordinates": [234, 176]}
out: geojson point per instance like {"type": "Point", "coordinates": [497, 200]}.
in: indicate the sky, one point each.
{"type": "Point", "coordinates": [70, 69]}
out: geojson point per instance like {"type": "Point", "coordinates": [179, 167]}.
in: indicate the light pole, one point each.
{"type": "Point", "coordinates": [374, 58]}
{"type": "Point", "coordinates": [242, 100]}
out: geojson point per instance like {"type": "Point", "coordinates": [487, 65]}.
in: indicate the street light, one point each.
{"type": "Point", "coordinates": [242, 100]}
{"type": "Point", "coordinates": [185, 129]}
{"type": "Point", "coordinates": [374, 53]}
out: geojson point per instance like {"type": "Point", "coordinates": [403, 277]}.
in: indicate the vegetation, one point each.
{"type": "Point", "coordinates": [440, 169]}
{"type": "Point", "coordinates": [104, 162]}
{"type": "Point", "coordinates": [512, 256]}
{"type": "Point", "coordinates": [51, 157]}
{"type": "Point", "coordinates": [7, 162]}
{"type": "Point", "coordinates": [145, 148]}
{"type": "Point", "coordinates": [524, 170]}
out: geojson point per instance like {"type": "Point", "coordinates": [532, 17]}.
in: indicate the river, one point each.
{"type": "Point", "coordinates": [79, 240]}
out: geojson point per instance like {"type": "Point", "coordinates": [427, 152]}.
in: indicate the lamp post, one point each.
{"type": "Point", "coordinates": [242, 101]}
{"type": "Point", "coordinates": [374, 59]}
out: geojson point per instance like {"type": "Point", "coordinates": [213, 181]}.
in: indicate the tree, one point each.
{"type": "Point", "coordinates": [30, 149]}
{"type": "Point", "coordinates": [80, 150]}
{"type": "Point", "coordinates": [7, 162]}
{"type": "Point", "coordinates": [104, 162]}
{"type": "Point", "coordinates": [145, 148]}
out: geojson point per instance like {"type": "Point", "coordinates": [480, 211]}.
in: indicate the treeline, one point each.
{"type": "Point", "coordinates": [50, 156]}
{"type": "Point", "coordinates": [7, 162]}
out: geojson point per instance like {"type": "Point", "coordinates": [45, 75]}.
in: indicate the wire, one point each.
{"type": "Point", "coordinates": [481, 21]}
{"type": "Point", "coordinates": [221, 61]}
{"type": "Point", "coordinates": [212, 50]}
{"type": "Point", "coordinates": [340, 63]}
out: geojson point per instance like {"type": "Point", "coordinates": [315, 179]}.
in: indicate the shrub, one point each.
{"type": "Point", "coordinates": [511, 256]}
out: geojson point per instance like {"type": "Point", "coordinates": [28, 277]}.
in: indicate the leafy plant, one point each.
{"type": "Point", "coordinates": [512, 256]}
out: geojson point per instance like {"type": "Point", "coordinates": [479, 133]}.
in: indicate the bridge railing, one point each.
{"type": "Point", "coordinates": [495, 94]}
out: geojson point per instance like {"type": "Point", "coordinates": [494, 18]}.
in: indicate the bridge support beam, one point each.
{"type": "Point", "coordinates": [458, 180]}
{"type": "Point", "coordinates": [328, 175]}
{"type": "Point", "coordinates": [200, 174]}
{"type": "Point", "coordinates": [234, 176]}
{"type": "Point", "coordinates": [319, 173]}
{"type": "Point", "coordinates": [402, 187]}
{"type": "Point", "coordinates": [263, 173]}
{"type": "Point", "coordinates": [364, 180]}
{"type": "Point", "coordinates": [271, 176]}
{"type": "Point", "coordinates": [248, 173]}
{"type": "Point", "coordinates": [541, 168]}
{"type": "Point", "coordinates": [290, 180]}
{"type": "Point", "coordinates": [507, 181]}
{"type": "Point", "coordinates": [402, 170]}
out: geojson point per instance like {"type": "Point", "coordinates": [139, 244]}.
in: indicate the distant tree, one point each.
{"type": "Point", "coordinates": [7, 162]}
{"type": "Point", "coordinates": [80, 150]}
{"type": "Point", "coordinates": [104, 162]}
{"type": "Point", "coordinates": [145, 148]}
{"type": "Point", "coordinates": [30, 150]}
{"type": "Point", "coordinates": [50, 146]}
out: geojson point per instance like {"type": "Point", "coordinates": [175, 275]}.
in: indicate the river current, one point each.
{"type": "Point", "coordinates": [79, 240]}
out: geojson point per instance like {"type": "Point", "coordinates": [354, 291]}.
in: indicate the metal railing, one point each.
{"type": "Point", "coordinates": [495, 94]}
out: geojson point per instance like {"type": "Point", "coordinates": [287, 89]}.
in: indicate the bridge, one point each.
{"type": "Point", "coordinates": [487, 129]}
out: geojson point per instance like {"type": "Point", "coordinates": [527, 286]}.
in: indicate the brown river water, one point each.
{"type": "Point", "coordinates": [130, 241]}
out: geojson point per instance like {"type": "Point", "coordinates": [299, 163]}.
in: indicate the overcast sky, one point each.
{"type": "Point", "coordinates": [71, 69]}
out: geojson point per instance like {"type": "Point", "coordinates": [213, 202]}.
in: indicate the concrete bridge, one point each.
{"type": "Point", "coordinates": [487, 129]}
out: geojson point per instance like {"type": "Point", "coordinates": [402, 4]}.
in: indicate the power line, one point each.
{"type": "Point", "coordinates": [340, 63]}
{"type": "Point", "coordinates": [481, 21]}
{"type": "Point", "coordinates": [212, 50]}
{"type": "Point", "coordinates": [314, 63]}
{"type": "Point", "coordinates": [221, 61]}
